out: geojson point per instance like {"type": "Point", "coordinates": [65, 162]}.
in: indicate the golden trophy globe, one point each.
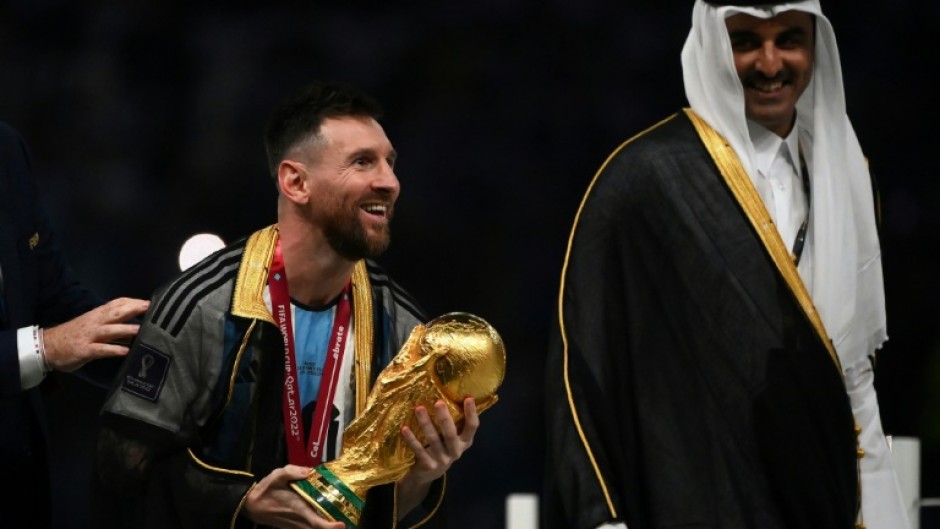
{"type": "Point", "coordinates": [450, 358]}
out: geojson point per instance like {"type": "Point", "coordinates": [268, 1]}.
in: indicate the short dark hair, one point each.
{"type": "Point", "coordinates": [300, 116]}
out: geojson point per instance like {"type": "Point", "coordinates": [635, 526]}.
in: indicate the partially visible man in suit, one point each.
{"type": "Point", "coordinates": [48, 322]}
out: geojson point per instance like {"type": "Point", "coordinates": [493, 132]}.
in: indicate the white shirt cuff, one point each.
{"type": "Point", "coordinates": [29, 349]}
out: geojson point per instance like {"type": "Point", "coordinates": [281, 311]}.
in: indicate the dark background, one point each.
{"type": "Point", "coordinates": [144, 118]}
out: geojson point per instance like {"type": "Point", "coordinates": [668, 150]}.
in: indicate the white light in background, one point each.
{"type": "Point", "coordinates": [198, 247]}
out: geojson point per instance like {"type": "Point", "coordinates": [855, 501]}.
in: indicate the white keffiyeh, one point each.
{"type": "Point", "coordinates": [846, 278]}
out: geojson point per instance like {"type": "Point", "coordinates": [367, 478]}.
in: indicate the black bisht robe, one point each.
{"type": "Point", "coordinates": [686, 387]}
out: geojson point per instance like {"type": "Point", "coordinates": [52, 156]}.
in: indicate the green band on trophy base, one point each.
{"type": "Point", "coordinates": [357, 502]}
{"type": "Point", "coordinates": [331, 509]}
{"type": "Point", "coordinates": [331, 497]}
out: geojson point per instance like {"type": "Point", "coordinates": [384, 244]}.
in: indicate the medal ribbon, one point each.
{"type": "Point", "coordinates": [298, 452]}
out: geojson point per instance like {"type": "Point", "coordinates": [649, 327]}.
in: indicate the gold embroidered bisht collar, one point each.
{"type": "Point", "coordinates": [744, 192]}
{"type": "Point", "coordinates": [248, 302]}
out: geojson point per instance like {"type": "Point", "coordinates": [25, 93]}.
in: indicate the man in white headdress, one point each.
{"type": "Point", "coordinates": [722, 301]}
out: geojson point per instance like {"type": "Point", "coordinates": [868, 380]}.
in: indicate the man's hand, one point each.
{"type": "Point", "coordinates": [74, 343]}
{"type": "Point", "coordinates": [444, 446]}
{"type": "Point", "coordinates": [273, 502]}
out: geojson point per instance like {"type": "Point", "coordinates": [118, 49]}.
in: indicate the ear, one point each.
{"type": "Point", "coordinates": [292, 181]}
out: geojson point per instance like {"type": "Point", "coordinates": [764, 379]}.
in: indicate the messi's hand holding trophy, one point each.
{"type": "Point", "coordinates": [449, 359]}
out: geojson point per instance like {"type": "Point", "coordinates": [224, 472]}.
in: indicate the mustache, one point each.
{"type": "Point", "coordinates": [753, 77]}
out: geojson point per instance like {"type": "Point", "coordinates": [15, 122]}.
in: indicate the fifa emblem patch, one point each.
{"type": "Point", "coordinates": [146, 372]}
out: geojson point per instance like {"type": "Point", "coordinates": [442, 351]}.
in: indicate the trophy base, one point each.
{"type": "Point", "coordinates": [331, 497]}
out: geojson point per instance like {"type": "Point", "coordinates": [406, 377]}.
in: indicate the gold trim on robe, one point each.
{"type": "Point", "coordinates": [561, 320]}
{"type": "Point", "coordinates": [744, 192]}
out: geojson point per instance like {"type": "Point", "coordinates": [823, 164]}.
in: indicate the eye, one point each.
{"type": "Point", "coordinates": [793, 38]}
{"type": "Point", "coordinates": [790, 41]}
{"type": "Point", "coordinates": [744, 42]}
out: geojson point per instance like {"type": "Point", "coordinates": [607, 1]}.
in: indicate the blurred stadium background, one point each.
{"type": "Point", "coordinates": [144, 119]}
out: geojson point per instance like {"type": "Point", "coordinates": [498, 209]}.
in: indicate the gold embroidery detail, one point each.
{"type": "Point", "coordinates": [364, 335]}
{"type": "Point", "coordinates": [253, 275]}
{"type": "Point", "coordinates": [238, 360]}
{"type": "Point", "coordinates": [221, 470]}
{"type": "Point", "coordinates": [741, 186]}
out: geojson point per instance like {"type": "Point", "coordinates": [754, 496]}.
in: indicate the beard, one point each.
{"type": "Point", "coordinates": [349, 238]}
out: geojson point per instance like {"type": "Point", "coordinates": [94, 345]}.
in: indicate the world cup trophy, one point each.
{"type": "Point", "coordinates": [452, 357]}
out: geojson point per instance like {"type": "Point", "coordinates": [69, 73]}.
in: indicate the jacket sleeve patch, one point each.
{"type": "Point", "coordinates": [146, 372]}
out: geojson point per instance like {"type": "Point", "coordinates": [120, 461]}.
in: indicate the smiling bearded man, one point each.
{"type": "Point", "coordinates": [722, 300]}
{"type": "Point", "coordinates": [251, 363]}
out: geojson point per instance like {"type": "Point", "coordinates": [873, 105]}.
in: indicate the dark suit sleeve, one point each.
{"type": "Point", "coordinates": [38, 287]}
{"type": "Point", "coordinates": [9, 363]}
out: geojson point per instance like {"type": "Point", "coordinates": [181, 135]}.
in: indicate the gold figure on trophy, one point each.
{"type": "Point", "coordinates": [452, 357]}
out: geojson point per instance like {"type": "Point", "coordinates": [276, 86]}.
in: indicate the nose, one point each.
{"type": "Point", "coordinates": [769, 61]}
{"type": "Point", "coordinates": [386, 180]}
